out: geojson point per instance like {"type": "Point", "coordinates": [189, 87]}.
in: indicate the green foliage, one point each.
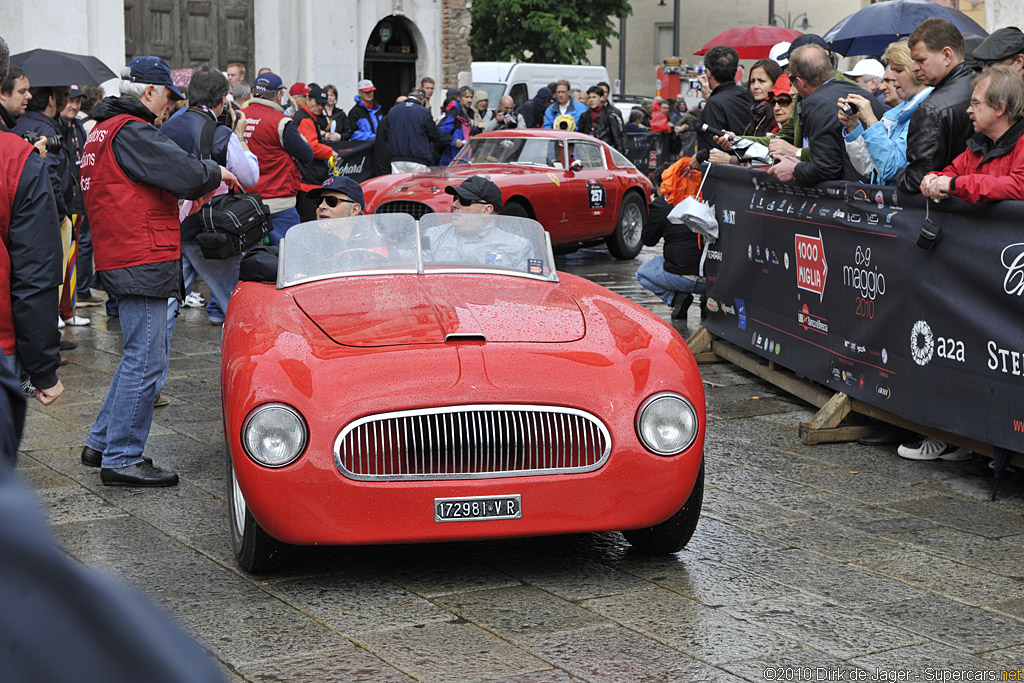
{"type": "Point", "coordinates": [543, 31]}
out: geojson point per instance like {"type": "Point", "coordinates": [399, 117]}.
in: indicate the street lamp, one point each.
{"type": "Point", "coordinates": [789, 21]}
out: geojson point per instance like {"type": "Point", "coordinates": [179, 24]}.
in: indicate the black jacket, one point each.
{"type": "Point", "coordinates": [7, 122]}
{"type": "Point", "coordinates": [819, 123]}
{"type": "Point", "coordinates": [148, 156]}
{"type": "Point", "coordinates": [532, 111]}
{"type": "Point", "coordinates": [58, 162]}
{"type": "Point", "coordinates": [411, 134]}
{"type": "Point", "coordinates": [682, 248]}
{"type": "Point", "coordinates": [727, 108]}
{"type": "Point", "coordinates": [33, 242]}
{"type": "Point", "coordinates": [606, 127]}
{"type": "Point", "coordinates": [939, 128]}
{"type": "Point", "coordinates": [315, 171]}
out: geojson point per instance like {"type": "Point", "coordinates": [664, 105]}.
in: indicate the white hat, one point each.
{"type": "Point", "coordinates": [779, 49]}
{"type": "Point", "coordinates": [867, 67]}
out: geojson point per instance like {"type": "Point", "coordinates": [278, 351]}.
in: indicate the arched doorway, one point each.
{"type": "Point", "coordinates": [390, 60]}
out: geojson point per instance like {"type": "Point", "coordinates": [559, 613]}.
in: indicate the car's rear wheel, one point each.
{"type": "Point", "coordinates": [516, 209]}
{"type": "Point", "coordinates": [674, 533]}
{"type": "Point", "coordinates": [254, 548]}
{"type": "Point", "coordinates": [625, 243]}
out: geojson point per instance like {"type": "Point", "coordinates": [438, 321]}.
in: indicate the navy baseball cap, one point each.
{"type": "Point", "coordinates": [342, 184]}
{"type": "Point", "coordinates": [806, 39]}
{"type": "Point", "coordinates": [152, 71]}
{"type": "Point", "coordinates": [477, 189]}
{"type": "Point", "coordinates": [268, 82]}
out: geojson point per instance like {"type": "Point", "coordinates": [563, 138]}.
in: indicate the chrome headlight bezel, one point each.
{"type": "Point", "coordinates": [644, 413]}
{"type": "Point", "coordinates": [263, 410]}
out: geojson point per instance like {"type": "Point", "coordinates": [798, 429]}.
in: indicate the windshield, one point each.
{"type": "Point", "coordinates": [395, 243]}
{"type": "Point", "coordinates": [512, 150]}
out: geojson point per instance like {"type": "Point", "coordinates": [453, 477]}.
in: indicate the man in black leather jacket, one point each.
{"type": "Point", "coordinates": [600, 122]}
{"type": "Point", "coordinates": [728, 104]}
{"type": "Point", "coordinates": [940, 126]}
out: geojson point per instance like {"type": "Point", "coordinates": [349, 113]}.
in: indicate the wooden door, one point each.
{"type": "Point", "coordinates": [191, 33]}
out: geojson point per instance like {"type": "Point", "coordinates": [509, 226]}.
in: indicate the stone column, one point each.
{"type": "Point", "coordinates": [1001, 13]}
{"type": "Point", "coordinates": [455, 55]}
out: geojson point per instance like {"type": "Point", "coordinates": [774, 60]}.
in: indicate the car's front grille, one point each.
{"type": "Point", "coordinates": [414, 209]}
{"type": "Point", "coordinates": [472, 442]}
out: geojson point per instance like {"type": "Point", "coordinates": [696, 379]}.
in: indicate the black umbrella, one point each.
{"type": "Point", "coordinates": [50, 67]}
{"type": "Point", "coordinates": [870, 30]}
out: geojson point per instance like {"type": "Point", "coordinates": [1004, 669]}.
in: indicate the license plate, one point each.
{"type": "Point", "coordinates": [478, 508]}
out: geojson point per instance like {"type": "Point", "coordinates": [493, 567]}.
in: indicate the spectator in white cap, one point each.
{"type": "Point", "coordinates": [869, 73]}
{"type": "Point", "coordinates": [365, 116]}
{"type": "Point", "coordinates": [775, 54]}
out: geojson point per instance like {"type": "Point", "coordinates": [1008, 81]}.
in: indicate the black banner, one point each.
{"type": "Point", "coordinates": [829, 282]}
{"type": "Point", "coordinates": [647, 151]}
{"type": "Point", "coordinates": [355, 159]}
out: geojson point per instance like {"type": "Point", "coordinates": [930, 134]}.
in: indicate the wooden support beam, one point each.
{"type": "Point", "coordinates": [811, 437]}
{"type": "Point", "coordinates": [699, 340]}
{"type": "Point", "coordinates": [784, 379]}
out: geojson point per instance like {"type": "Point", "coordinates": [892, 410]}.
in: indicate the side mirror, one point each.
{"type": "Point", "coordinates": [576, 165]}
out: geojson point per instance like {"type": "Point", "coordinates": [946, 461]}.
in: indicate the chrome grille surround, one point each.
{"type": "Point", "coordinates": [482, 441]}
{"type": "Point", "coordinates": [414, 209]}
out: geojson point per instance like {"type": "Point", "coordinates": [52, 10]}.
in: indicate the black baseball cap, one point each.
{"type": "Point", "coordinates": [318, 94]}
{"type": "Point", "coordinates": [1000, 44]}
{"type": "Point", "coordinates": [152, 71]}
{"type": "Point", "coordinates": [806, 39]}
{"type": "Point", "coordinates": [342, 184]}
{"type": "Point", "coordinates": [477, 189]}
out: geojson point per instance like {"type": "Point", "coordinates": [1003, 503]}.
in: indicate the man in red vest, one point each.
{"type": "Point", "coordinates": [275, 140]}
{"type": "Point", "coordinates": [132, 176]}
{"type": "Point", "coordinates": [30, 263]}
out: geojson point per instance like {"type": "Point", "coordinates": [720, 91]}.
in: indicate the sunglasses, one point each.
{"type": "Point", "coordinates": [467, 202]}
{"type": "Point", "coordinates": [333, 201]}
{"type": "Point", "coordinates": [784, 100]}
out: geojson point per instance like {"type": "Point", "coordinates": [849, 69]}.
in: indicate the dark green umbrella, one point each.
{"type": "Point", "coordinates": [50, 67]}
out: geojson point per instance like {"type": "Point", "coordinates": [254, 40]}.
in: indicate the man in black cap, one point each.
{"type": "Point", "coordinates": [476, 241]}
{"type": "Point", "coordinates": [338, 197]}
{"type": "Point", "coordinates": [312, 127]}
{"type": "Point", "coordinates": [132, 177]}
{"type": "Point", "coordinates": [1003, 46]}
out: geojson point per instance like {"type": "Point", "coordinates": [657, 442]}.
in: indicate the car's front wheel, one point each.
{"type": "Point", "coordinates": [514, 208]}
{"type": "Point", "coordinates": [254, 548]}
{"type": "Point", "coordinates": [674, 533]}
{"type": "Point", "coordinates": [625, 243]}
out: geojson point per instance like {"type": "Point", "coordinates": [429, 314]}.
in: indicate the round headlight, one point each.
{"type": "Point", "coordinates": [274, 435]}
{"type": "Point", "coordinates": [667, 424]}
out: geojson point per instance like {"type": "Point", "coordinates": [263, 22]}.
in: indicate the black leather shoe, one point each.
{"type": "Point", "coordinates": [142, 474]}
{"type": "Point", "coordinates": [681, 304]}
{"type": "Point", "coordinates": [94, 458]}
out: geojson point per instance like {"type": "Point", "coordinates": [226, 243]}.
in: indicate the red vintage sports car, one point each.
{"type": "Point", "coordinates": [440, 381]}
{"type": "Point", "coordinates": [581, 190]}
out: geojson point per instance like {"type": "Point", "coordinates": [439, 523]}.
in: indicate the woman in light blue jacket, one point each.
{"type": "Point", "coordinates": [878, 149]}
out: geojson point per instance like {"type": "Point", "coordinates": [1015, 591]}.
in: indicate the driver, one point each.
{"type": "Point", "coordinates": [472, 242]}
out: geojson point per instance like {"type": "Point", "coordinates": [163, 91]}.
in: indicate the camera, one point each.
{"type": "Point", "coordinates": [694, 84]}
{"type": "Point", "coordinates": [53, 142]}
{"type": "Point", "coordinates": [850, 109]}
{"type": "Point", "coordinates": [227, 115]}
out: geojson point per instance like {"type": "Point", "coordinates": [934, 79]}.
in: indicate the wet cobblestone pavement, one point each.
{"type": "Point", "coordinates": [831, 562]}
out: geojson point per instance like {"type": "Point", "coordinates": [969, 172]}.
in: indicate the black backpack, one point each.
{"type": "Point", "coordinates": [231, 222]}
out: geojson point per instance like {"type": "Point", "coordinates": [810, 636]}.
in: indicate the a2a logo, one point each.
{"type": "Point", "coordinates": [924, 344]}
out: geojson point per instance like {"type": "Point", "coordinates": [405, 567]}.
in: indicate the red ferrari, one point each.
{"type": "Point", "coordinates": [580, 189]}
{"type": "Point", "coordinates": [438, 380]}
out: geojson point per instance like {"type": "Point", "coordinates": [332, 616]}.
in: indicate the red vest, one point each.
{"type": "Point", "coordinates": [13, 153]}
{"type": "Point", "coordinates": [132, 223]}
{"type": "Point", "coordinates": [279, 176]}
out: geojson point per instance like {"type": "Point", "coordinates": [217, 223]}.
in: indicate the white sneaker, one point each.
{"type": "Point", "coordinates": [932, 449]}
{"type": "Point", "coordinates": [194, 300]}
{"type": "Point", "coordinates": [60, 323]}
{"type": "Point", "coordinates": [76, 320]}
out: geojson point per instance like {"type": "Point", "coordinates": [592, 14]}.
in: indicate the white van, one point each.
{"type": "Point", "coordinates": [521, 81]}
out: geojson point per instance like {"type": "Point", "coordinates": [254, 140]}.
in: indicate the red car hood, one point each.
{"type": "Point", "coordinates": [422, 185]}
{"type": "Point", "coordinates": [432, 309]}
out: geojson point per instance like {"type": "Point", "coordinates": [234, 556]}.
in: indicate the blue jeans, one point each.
{"type": "Point", "coordinates": [652, 276]}
{"type": "Point", "coordinates": [121, 428]}
{"type": "Point", "coordinates": [83, 266]}
{"type": "Point", "coordinates": [282, 221]}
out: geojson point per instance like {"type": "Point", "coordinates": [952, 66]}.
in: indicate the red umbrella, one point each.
{"type": "Point", "coordinates": [752, 42]}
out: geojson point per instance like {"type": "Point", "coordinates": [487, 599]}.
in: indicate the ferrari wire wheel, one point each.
{"type": "Point", "coordinates": [922, 343]}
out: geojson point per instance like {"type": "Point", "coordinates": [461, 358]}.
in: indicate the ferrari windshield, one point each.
{"type": "Point", "coordinates": [512, 150]}
{"type": "Point", "coordinates": [396, 243]}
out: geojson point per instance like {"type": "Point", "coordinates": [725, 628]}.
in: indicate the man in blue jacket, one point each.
{"type": "Point", "coordinates": [410, 135]}
{"type": "Point", "coordinates": [365, 116]}
{"type": "Point", "coordinates": [564, 104]}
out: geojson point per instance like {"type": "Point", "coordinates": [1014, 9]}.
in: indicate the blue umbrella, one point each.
{"type": "Point", "coordinates": [869, 31]}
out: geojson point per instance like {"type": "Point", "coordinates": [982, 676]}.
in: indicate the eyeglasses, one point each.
{"type": "Point", "coordinates": [333, 201]}
{"type": "Point", "coordinates": [468, 202]}
{"type": "Point", "coordinates": [784, 100]}
{"type": "Point", "coordinates": [975, 103]}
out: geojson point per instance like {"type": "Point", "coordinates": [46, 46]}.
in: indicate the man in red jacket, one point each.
{"type": "Point", "coordinates": [132, 176]}
{"type": "Point", "coordinates": [992, 166]}
{"type": "Point", "coordinates": [315, 172]}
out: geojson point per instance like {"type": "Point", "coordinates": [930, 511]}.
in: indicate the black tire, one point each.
{"type": "Point", "coordinates": [255, 550]}
{"type": "Point", "coordinates": [516, 209]}
{"type": "Point", "coordinates": [625, 243]}
{"type": "Point", "coordinates": [674, 533]}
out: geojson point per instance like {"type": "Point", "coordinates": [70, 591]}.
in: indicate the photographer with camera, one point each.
{"type": "Point", "coordinates": [40, 118]}
{"type": "Point", "coordinates": [504, 117]}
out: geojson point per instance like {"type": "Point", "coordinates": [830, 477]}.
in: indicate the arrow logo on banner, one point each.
{"type": "Point", "coordinates": [811, 266]}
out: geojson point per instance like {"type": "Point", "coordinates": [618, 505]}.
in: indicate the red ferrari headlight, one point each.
{"type": "Point", "coordinates": [667, 423]}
